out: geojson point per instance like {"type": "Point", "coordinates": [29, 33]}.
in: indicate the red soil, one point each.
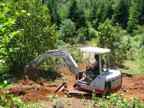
{"type": "Point", "coordinates": [131, 87]}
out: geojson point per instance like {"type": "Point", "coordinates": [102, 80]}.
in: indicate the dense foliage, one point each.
{"type": "Point", "coordinates": [113, 38]}
{"type": "Point", "coordinates": [111, 23]}
{"type": "Point", "coordinates": [28, 34]}
{"type": "Point", "coordinates": [29, 28]}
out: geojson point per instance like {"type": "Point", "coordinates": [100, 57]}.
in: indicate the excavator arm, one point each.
{"type": "Point", "coordinates": [57, 53]}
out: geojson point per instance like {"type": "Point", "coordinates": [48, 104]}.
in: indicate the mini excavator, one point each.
{"type": "Point", "coordinates": [101, 79]}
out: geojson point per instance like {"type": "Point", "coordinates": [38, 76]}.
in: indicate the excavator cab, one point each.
{"type": "Point", "coordinates": [98, 57]}
{"type": "Point", "coordinates": [102, 79]}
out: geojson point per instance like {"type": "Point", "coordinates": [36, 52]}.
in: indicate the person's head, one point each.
{"type": "Point", "coordinates": [96, 57]}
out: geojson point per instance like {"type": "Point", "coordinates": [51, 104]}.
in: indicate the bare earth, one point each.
{"type": "Point", "coordinates": [132, 86]}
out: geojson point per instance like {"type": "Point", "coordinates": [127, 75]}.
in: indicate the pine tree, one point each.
{"type": "Point", "coordinates": [77, 15]}
{"type": "Point", "coordinates": [141, 17]}
{"type": "Point", "coordinates": [120, 13]}
{"type": "Point", "coordinates": [68, 31]}
{"type": "Point", "coordinates": [53, 8]}
{"type": "Point", "coordinates": [134, 13]}
{"type": "Point", "coordinates": [102, 10]}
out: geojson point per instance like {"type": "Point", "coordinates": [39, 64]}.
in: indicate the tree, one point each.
{"type": "Point", "coordinates": [102, 9]}
{"type": "Point", "coordinates": [87, 33]}
{"type": "Point", "coordinates": [112, 37]}
{"type": "Point", "coordinates": [63, 10]}
{"type": "Point", "coordinates": [77, 15]}
{"type": "Point", "coordinates": [68, 31]}
{"type": "Point", "coordinates": [34, 34]}
{"type": "Point", "coordinates": [141, 17]}
{"type": "Point", "coordinates": [120, 12]}
{"type": "Point", "coordinates": [134, 13]}
{"type": "Point", "coordinates": [6, 33]}
{"type": "Point", "coordinates": [53, 8]}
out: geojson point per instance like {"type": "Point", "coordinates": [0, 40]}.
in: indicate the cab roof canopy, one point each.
{"type": "Point", "coordinates": [96, 50]}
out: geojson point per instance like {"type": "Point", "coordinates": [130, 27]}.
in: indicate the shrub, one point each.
{"type": "Point", "coordinates": [115, 38]}
{"type": "Point", "coordinates": [6, 33]}
{"type": "Point", "coordinates": [140, 59]}
{"type": "Point", "coordinates": [68, 31]}
{"type": "Point", "coordinates": [116, 101]}
{"type": "Point", "coordinates": [9, 101]}
{"type": "Point", "coordinates": [32, 34]}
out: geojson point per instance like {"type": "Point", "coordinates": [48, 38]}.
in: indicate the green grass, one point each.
{"type": "Point", "coordinates": [111, 101]}
{"type": "Point", "coordinates": [132, 67]}
{"type": "Point", "coordinates": [117, 101]}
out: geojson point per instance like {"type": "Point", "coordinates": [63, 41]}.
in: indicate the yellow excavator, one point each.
{"type": "Point", "coordinates": [100, 78]}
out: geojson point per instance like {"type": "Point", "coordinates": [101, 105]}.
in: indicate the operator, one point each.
{"type": "Point", "coordinates": [95, 65]}
{"type": "Point", "coordinates": [92, 71]}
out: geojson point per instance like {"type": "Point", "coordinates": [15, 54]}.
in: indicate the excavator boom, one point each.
{"type": "Point", "coordinates": [57, 53]}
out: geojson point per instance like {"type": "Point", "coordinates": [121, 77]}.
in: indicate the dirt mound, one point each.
{"type": "Point", "coordinates": [33, 91]}
{"type": "Point", "coordinates": [38, 94]}
{"type": "Point", "coordinates": [133, 86]}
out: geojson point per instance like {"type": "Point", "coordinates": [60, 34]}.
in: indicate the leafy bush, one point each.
{"type": "Point", "coordinates": [87, 33]}
{"type": "Point", "coordinates": [116, 101]}
{"type": "Point", "coordinates": [68, 31]}
{"type": "Point", "coordinates": [6, 22]}
{"type": "Point", "coordinates": [9, 101]}
{"type": "Point", "coordinates": [140, 59]}
{"type": "Point", "coordinates": [115, 38]}
{"type": "Point", "coordinates": [32, 34]}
